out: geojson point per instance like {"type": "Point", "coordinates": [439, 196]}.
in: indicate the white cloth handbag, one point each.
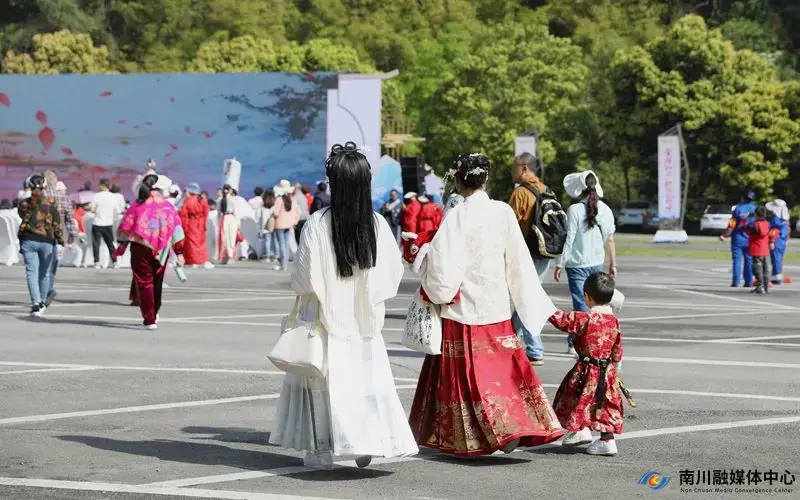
{"type": "Point", "coordinates": [302, 348]}
{"type": "Point", "coordinates": [423, 332]}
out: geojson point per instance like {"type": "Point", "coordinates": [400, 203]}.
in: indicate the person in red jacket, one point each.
{"type": "Point", "coordinates": [430, 215]}
{"type": "Point", "coordinates": [428, 222]}
{"type": "Point", "coordinates": [759, 249]}
{"type": "Point", "coordinates": [410, 216]}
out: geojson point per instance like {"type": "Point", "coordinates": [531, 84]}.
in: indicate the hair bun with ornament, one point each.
{"type": "Point", "coordinates": [349, 150]}
{"type": "Point", "coordinates": [472, 169]}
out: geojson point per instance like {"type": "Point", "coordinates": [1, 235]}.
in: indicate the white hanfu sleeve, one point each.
{"type": "Point", "coordinates": [385, 277]}
{"type": "Point", "coordinates": [443, 272]}
{"type": "Point", "coordinates": [533, 305]}
{"type": "Point", "coordinates": [304, 263]}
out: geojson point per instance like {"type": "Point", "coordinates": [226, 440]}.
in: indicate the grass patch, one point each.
{"type": "Point", "coordinates": [685, 253]}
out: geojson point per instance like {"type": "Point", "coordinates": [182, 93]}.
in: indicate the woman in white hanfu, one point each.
{"type": "Point", "coordinates": [346, 267]}
{"type": "Point", "coordinates": [481, 394]}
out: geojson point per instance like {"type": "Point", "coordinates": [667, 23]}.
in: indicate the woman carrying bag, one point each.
{"type": "Point", "coordinates": [346, 267]}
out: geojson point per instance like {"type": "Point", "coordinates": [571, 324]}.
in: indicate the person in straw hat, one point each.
{"type": "Point", "coordinates": [286, 213]}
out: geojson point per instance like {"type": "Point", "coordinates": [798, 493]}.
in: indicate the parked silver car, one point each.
{"type": "Point", "coordinates": [715, 218]}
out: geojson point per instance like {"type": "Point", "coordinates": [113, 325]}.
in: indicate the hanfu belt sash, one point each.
{"type": "Point", "coordinates": [600, 392]}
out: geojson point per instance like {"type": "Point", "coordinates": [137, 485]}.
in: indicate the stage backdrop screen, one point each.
{"type": "Point", "coordinates": [88, 127]}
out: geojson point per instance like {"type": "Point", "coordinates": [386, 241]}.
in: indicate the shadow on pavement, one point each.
{"type": "Point", "coordinates": [82, 322]}
{"type": "Point", "coordinates": [190, 452]}
{"type": "Point", "coordinates": [214, 454]}
{"type": "Point", "coordinates": [230, 434]}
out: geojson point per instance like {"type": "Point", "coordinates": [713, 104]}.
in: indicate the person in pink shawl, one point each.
{"type": "Point", "coordinates": [152, 227]}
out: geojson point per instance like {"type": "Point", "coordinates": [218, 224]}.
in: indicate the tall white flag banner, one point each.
{"type": "Point", "coordinates": [232, 173]}
{"type": "Point", "coordinates": [525, 144]}
{"type": "Point", "coordinates": [669, 177]}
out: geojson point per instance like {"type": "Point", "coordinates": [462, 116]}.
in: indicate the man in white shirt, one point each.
{"type": "Point", "coordinates": [257, 201]}
{"type": "Point", "coordinates": [105, 206]}
{"type": "Point", "coordinates": [120, 198]}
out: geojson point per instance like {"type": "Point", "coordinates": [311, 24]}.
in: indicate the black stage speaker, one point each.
{"type": "Point", "coordinates": [412, 171]}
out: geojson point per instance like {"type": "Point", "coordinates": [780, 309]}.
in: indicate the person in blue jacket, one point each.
{"type": "Point", "coordinates": [742, 214]}
{"type": "Point", "coordinates": [779, 232]}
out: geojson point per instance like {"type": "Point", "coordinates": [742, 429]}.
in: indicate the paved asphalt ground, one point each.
{"type": "Point", "coordinates": [93, 408]}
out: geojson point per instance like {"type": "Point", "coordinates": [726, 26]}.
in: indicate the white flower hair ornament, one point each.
{"type": "Point", "coordinates": [475, 171]}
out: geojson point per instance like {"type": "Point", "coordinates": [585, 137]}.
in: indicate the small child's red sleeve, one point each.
{"type": "Point", "coordinates": [616, 349]}
{"type": "Point", "coordinates": [573, 323]}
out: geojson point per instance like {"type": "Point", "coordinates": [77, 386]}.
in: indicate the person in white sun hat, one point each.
{"type": "Point", "coordinates": [590, 231]}
{"type": "Point", "coordinates": [779, 223]}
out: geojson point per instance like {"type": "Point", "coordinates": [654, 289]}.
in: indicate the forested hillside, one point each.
{"type": "Point", "coordinates": [599, 79]}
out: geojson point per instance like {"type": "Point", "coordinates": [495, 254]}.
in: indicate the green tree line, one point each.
{"type": "Point", "coordinates": [599, 80]}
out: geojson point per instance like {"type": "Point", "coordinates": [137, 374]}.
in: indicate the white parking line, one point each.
{"type": "Point", "coordinates": [136, 409]}
{"type": "Point", "coordinates": [149, 490]}
{"type": "Point", "coordinates": [687, 361]}
{"type": "Point", "coordinates": [133, 409]}
{"type": "Point", "coordinates": [774, 337]}
{"type": "Point", "coordinates": [47, 370]}
{"type": "Point", "coordinates": [761, 303]}
{"type": "Point", "coordinates": [564, 358]}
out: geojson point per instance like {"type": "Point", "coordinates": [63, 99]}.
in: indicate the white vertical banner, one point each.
{"type": "Point", "coordinates": [669, 177]}
{"type": "Point", "coordinates": [232, 173]}
{"type": "Point", "coordinates": [525, 144]}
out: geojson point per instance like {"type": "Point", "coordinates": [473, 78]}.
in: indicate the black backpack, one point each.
{"type": "Point", "coordinates": [548, 226]}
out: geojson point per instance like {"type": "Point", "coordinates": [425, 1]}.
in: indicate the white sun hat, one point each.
{"type": "Point", "coordinates": [779, 208]}
{"type": "Point", "coordinates": [286, 187]}
{"type": "Point", "coordinates": [163, 183]}
{"type": "Point", "coordinates": [575, 184]}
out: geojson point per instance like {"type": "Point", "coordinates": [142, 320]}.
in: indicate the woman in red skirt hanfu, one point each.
{"type": "Point", "coordinates": [481, 394]}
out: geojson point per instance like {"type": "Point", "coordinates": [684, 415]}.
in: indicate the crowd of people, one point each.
{"type": "Point", "coordinates": [52, 228]}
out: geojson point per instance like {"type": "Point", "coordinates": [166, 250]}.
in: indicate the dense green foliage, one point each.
{"type": "Point", "coordinates": [599, 80]}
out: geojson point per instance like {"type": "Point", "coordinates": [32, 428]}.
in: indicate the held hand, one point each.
{"type": "Point", "coordinates": [772, 246]}
{"type": "Point", "coordinates": [181, 260]}
{"type": "Point", "coordinates": [557, 275]}
{"type": "Point", "coordinates": [612, 271]}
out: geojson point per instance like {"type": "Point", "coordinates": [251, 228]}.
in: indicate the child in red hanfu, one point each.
{"type": "Point", "coordinates": [590, 397]}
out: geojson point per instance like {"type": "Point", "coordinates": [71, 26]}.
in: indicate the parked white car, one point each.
{"type": "Point", "coordinates": [715, 218]}
{"type": "Point", "coordinates": [633, 214]}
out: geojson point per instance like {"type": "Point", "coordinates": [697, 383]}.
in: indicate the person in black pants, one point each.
{"type": "Point", "coordinates": [103, 234]}
{"type": "Point", "coordinates": [106, 207]}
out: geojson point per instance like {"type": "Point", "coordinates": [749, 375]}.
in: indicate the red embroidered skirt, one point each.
{"type": "Point", "coordinates": [480, 394]}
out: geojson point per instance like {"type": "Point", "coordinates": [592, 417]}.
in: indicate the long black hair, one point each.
{"type": "Point", "coordinates": [223, 201]}
{"type": "Point", "coordinates": [146, 186]}
{"type": "Point", "coordinates": [590, 193]}
{"type": "Point", "coordinates": [287, 201]}
{"type": "Point", "coordinates": [352, 220]}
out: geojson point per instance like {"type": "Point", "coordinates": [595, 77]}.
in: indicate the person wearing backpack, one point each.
{"type": "Point", "coordinates": [590, 231]}
{"type": "Point", "coordinates": [526, 201]}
